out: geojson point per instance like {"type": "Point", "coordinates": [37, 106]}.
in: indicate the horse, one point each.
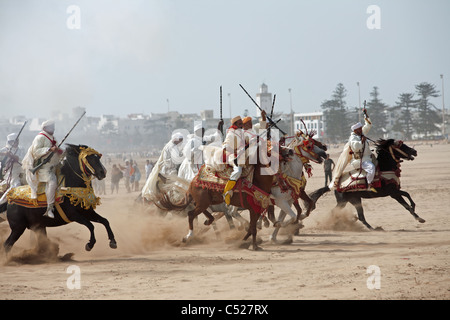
{"type": "Point", "coordinates": [175, 186]}
{"type": "Point", "coordinates": [78, 204]}
{"type": "Point", "coordinates": [261, 185]}
{"type": "Point", "coordinates": [390, 153]}
{"type": "Point", "coordinates": [291, 182]}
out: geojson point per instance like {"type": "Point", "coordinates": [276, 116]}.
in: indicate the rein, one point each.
{"type": "Point", "coordinates": [391, 151]}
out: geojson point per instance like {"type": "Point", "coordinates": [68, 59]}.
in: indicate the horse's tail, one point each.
{"type": "Point", "coordinates": [315, 195]}
{"type": "Point", "coordinates": [166, 203]}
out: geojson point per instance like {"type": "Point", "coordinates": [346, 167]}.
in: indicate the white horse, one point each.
{"type": "Point", "coordinates": [291, 180]}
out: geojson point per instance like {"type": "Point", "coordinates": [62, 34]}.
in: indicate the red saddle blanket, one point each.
{"type": "Point", "coordinates": [207, 178]}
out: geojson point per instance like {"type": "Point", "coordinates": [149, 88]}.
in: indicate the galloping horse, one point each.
{"type": "Point", "coordinates": [80, 165]}
{"type": "Point", "coordinates": [387, 180]}
{"type": "Point", "coordinates": [291, 182]}
{"type": "Point", "coordinates": [203, 198]}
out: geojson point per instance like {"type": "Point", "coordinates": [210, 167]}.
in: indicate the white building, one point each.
{"type": "Point", "coordinates": [312, 121]}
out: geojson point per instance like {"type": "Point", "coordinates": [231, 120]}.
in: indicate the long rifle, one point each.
{"type": "Point", "coordinates": [6, 156]}
{"type": "Point", "coordinates": [271, 113]}
{"type": "Point", "coordinates": [268, 118]}
{"type": "Point", "coordinates": [46, 160]}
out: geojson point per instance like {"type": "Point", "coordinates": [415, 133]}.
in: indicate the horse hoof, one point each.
{"type": "Point", "coordinates": [257, 248]}
{"type": "Point", "coordinates": [113, 244]}
{"type": "Point", "coordinates": [421, 220]}
{"type": "Point", "coordinates": [88, 247]}
{"type": "Point", "coordinates": [209, 222]}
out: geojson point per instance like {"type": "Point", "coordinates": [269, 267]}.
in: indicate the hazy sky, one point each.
{"type": "Point", "coordinates": [147, 56]}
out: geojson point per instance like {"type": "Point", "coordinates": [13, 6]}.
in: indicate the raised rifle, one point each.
{"type": "Point", "coordinates": [46, 160]}
{"type": "Point", "coordinates": [271, 113]}
{"type": "Point", "coordinates": [271, 122]}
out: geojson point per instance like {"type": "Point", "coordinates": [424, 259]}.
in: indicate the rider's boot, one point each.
{"type": "Point", "coordinates": [49, 212]}
{"type": "Point", "coordinates": [228, 192]}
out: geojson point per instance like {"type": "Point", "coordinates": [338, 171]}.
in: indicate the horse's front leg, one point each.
{"type": "Point", "coordinates": [285, 206]}
{"type": "Point", "coordinates": [98, 218]}
{"type": "Point", "coordinates": [252, 230]}
{"type": "Point", "coordinates": [191, 217]}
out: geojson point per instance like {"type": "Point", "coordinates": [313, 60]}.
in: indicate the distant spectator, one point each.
{"type": "Point", "coordinates": [127, 174]}
{"type": "Point", "coordinates": [148, 168]}
{"type": "Point", "coordinates": [137, 176]}
{"type": "Point", "coordinates": [328, 167]}
{"type": "Point", "coordinates": [116, 175]}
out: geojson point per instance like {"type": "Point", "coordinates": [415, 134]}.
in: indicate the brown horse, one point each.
{"type": "Point", "coordinates": [203, 198]}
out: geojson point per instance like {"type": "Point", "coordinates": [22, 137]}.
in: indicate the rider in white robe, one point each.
{"type": "Point", "coordinates": [356, 152]}
{"type": "Point", "coordinates": [11, 166]}
{"type": "Point", "coordinates": [169, 160]}
{"type": "Point", "coordinates": [42, 146]}
{"type": "Point", "coordinates": [193, 152]}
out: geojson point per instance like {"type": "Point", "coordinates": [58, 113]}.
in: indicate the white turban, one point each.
{"type": "Point", "coordinates": [356, 126]}
{"type": "Point", "coordinates": [47, 123]}
{"type": "Point", "coordinates": [11, 137]}
{"type": "Point", "coordinates": [198, 127]}
{"type": "Point", "coordinates": [177, 136]}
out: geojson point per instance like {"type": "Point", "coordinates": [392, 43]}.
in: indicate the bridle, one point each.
{"type": "Point", "coordinates": [86, 169]}
{"type": "Point", "coordinates": [396, 147]}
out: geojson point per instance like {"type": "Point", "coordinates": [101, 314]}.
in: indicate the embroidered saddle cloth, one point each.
{"type": "Point", "coordinates": [77, 196]}
{"type": "Point", "coordinates": [355, 180]}
{"type": "Point", "coordinates": [209, 178]}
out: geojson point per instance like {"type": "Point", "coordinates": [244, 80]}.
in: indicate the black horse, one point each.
{"type": "Point", "coordinates": [390, 154]}
{"type": "Point", "coordinates": [80, 165]}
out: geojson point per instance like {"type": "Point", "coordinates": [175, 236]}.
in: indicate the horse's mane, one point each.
{"type": "Point", "coordinates": [383, 144]}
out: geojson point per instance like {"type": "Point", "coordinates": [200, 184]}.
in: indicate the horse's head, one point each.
{"type": "Point", "coordinates": [306, 146]}
{"type": "Point", "coordinates": [86, 160]}
{"type": "Point", "coordinates": [397, 149]}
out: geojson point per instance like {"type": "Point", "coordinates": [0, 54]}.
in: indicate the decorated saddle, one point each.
{"type": "Point", "coordinates": [208, 178]}
{"type": "Point", "coordinates": [77, 196]}
{"type": "Point", "coordinates": [211, 179]}
{"type": "Point", "coordinates": [355, 180]}
{"type": "Point", "coordinates": [289, 184]}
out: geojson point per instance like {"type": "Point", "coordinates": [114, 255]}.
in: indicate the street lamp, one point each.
{"type": "Point", "coordinates": [359, 102]}
{"type": "Point", "coordinates": [443, 107]}
{"type": "Point", "coordinates": [229, 100]}
{"type": "Point", "coordinates": [292, 114]}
